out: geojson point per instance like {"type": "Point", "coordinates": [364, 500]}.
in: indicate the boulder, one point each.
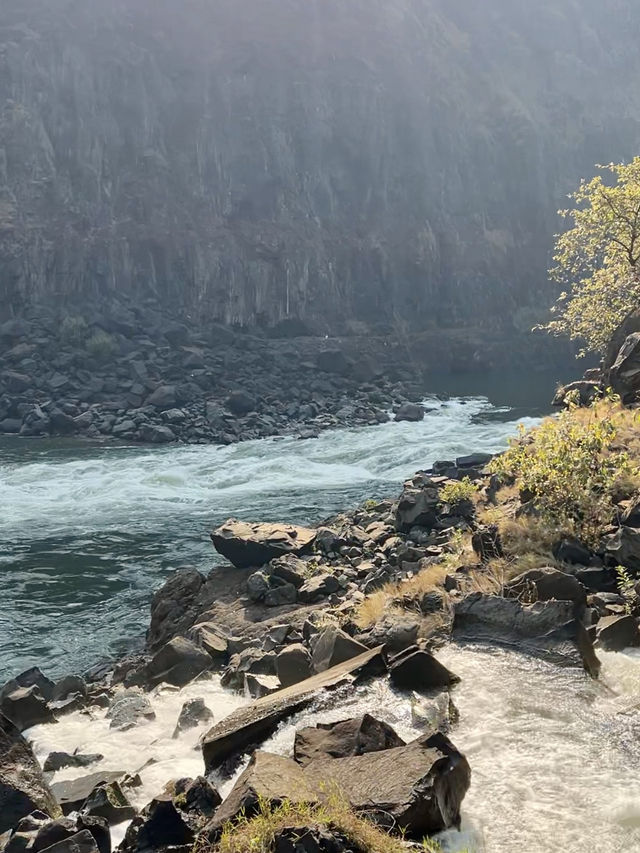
{"type": "Point", "coordinates": [161, 825]}
{"type": "Point", "coordinates": [268, 778]}
{"type": "Point", "coordinates": [59, 760]}
{"type": "Point", "coordinates": [546, 584]}
{"type": "Point", "coordinates": [319, 586]}
{"type": "Point", "coordinates": [164, 397]}
{"type": "Point", "coordinates": [333, 647]}
{"type": "Point", "coordinates": [29, 678]}
{"type": "Point", "coordinates": [174, 606]}
{"type": "Point", "coordinates": [421, 671]}
{"type": "Point", "coordinates": [622, 548]}
{"type": "Point", "coordinates": [280, 593]}
{"type": "Point", "coordinates": [68, 686]}
{"type": "Point", "coordinates": [26, 707]}
{"type": "Point", "coordinates": [22, 785]}
{"type": "Point", "coordinates": [81, 842]}
{"type": "Point", "coordinates": [247, 545]}
{"type": "Point", "coordinates": [293, 664]}
{"type": "Point", "coordinates": [257, 686]}
{"type": "Point", "coordinates": [241, 403]}
{"type": "Point", "coordinates": [249, 660]}
{"type": "Point", "coordinates": [310, 839]}
{"type": "Point", "coordinates": [344, 738]}
{"type": "Point", "coordinates": [545, 629]}
{"type": "Point", "coordinates": [290, 569]}
{"type": "Point", "coordinates": [412, 412]}
{"type": "Point", "coordinates": [208, 636]}
{"type": "Point", "coordinates": [73, 793]}
{"type": "Point", "coordinates": [109, 801]}
{"type": "Point", "coordinates": [249, 726]}
{"type": "Point", "coordinates": [157, 434]}
{"type": "Point", "coordinates": [129, 708]}
{"type": "Point", "coordinates": [615, 633]}
{"type": "Point", "coordinates": [194, 712]}
{"type": "Point", "coordinates": [624, 374]}
{"type": "Point", "coordinates": [584, 391]}
{"type": "Point", "coordinates": [417, 507]}
{"type": "Point", "coordinates": [56, 831]}
{"type": "Point", "coordinates": [420, 786]}
{"type": "Point", "coordinates": [258, 586]}
{"type": "Point", "coordinates": [178, 662]}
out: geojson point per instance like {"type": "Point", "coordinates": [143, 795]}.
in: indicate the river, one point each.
{"type": "Point", "coordinates": [88, 532]}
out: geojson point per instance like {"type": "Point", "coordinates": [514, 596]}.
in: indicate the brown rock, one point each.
{"type": "Point", "coordinates": [247, 545]}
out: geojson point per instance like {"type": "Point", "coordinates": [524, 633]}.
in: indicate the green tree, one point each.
{"type": "Point", "coordinates": [598, 259]}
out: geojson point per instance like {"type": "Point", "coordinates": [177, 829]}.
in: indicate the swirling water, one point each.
{"type": "Point", "coordinates": [89, 532]}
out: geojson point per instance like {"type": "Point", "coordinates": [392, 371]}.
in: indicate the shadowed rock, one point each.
{"type": "Point", "coordinates": [344, 738]}
{"type": "Point", "coordinates": [22, 785]}
{"type": "Point", "coordinates": [546, 629]}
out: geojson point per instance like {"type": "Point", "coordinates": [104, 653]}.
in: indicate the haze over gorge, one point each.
{"type": "Point", "coordinates": [393, 163]}
{"type": "Point", "coordinates": [311, 538]}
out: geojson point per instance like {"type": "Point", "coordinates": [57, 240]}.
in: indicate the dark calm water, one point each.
{"type": "Point", "coordinates": [87, 533]}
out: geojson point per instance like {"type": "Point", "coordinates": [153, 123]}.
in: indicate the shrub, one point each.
{"type": "Point", "coordinates": [456, 492]}
{"type": "Point", "coordinates": [572, 469]}
{"type": "Point", "coordinates": [102, 346]}
{"type": "Point", "coordinates": [74, 330]}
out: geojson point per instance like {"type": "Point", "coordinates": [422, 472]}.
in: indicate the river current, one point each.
{"type": "Point", "coordinates": [88, 532]}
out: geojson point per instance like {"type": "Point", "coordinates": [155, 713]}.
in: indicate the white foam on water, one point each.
{"type": "Point", "coordinates": [555, 756]}
{"type": "Point", "coordinates": [108, 487]}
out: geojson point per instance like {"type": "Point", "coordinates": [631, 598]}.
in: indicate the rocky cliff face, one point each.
{"type": "Point", "coordinates": [384, 161]}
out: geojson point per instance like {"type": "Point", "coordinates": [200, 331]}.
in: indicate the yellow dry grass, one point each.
{"type": "Point", "coordinates": [257, 834]}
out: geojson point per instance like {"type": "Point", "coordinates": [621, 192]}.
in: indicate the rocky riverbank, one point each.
{"type": "Point", "coordinates": [300, 613]}
{"type": "Point", "coordinates": [134, 375]}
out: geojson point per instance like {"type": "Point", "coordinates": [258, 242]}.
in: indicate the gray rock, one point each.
{"type": "Point", "coordinates": [347, 737]}
{"type": "Point", "coordinates": [240, 403]}
{"type": "Point", "coordinates": [546, 629]}
{"type": "Point", "coordinates": [26, 707]}
{"type": "Point", "coordinates": [417, 507]}
{"type": "Point", "coordinates": [545, 584]}
{"type": "Point", "coordinates": [333, 647]}
{"type": "Point", "coordinates": [280, 594]}
{"type": "Point", "coordinates": [247, 545]}
{"type": "Point", "coordinates": [22, 786]}
{"type": "Point", "coordinates": [293, 664]}
{"type": "Point", "coordinates": [73, 793]}
{"type": "Point", "coordinates": [178, 662]}
{"type": "Point", "coordinates": [317, 587]}
{"type": "Point", "coordinates": [615, 633]}
{"type": "Point", "coordinates": [157, 434]}
{"type": "Point", "coordinates": [420, 671]}
{"type": "Point", "coordinates": [410, 412]}
{"type": "Point", "coordinates": [81, 842]}
{"type": "Point", "coordinates": [623, 547]}
{"type": "Point", "coordinates": [258, 586]}
{"type": "Point", "coordinates": [129, 708]}
{"type": "Point", "coordinates": [164, 397]}
{"type": "Point", "coordinates": [194, 712]}
{"type": "Point", "coordinates": [256, 686]}
{"type": "Point", "coordinates": [59, 760]}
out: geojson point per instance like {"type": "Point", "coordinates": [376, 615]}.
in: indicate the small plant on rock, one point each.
{"type": "Point", "coordinates": [74, 330]}
{"type": "Point", "coordinates": [626, 587]}
{"type": "Point", "coordinates": [457, 492]}
{"type": "Point", "coordinates": [102, 346]}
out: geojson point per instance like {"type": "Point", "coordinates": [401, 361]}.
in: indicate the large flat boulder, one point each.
{"type": "Point", "coordinates": [178, 662]}
{"type": "Point", "coordinates": [246, 545]}
{"type": "Point", "coordinates": [334, 646]}
{"type": "Point", "coordinates": [546, 629]}
{"type": "Point", "coordinates": [546, 584]}
{"type": "Point", "coordinates": [421, 786]}
{"type": "Point", "coordinates": [73, 793]}
{"type": "Point", "coordinates": [248, 727]}
{"type": "Point", "coordinates": [22, 785]}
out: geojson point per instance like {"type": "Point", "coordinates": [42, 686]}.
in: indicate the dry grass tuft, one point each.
{"type": "Point", "coordinates": [528, 535]}
{"type": "Point", "coordinates": [257, 834]}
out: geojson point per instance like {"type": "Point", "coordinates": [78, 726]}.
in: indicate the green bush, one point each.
{"type": "Point", "coordinates": [102, 346]}
{"type": "Point", "coordinates": [457, 492]}
{"type": "Point", "coordinates": [572, 470]}
{"type": "Point", "coordinates": [74, 330]}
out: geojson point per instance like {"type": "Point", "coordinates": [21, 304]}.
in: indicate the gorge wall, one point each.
{"type": "Point", "coordinates": [383, 161]}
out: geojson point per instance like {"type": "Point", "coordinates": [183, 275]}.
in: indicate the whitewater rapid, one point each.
{"type": "Point", "coordinates": [555, 756]}
{"type": "Point", "coordinates": [89, 532]}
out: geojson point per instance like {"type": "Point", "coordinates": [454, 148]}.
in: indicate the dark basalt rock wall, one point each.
{"type": "Point", "coordinates": [395, 162]}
